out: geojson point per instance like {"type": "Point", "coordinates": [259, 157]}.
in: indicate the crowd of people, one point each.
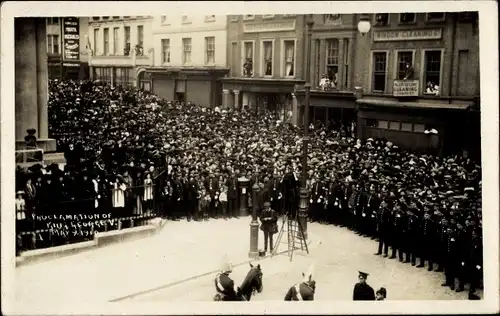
{"type": "Point", "coordinates": [133, 152]}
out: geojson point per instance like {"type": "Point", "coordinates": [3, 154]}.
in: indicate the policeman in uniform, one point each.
{"type": "Point", "coordinates": [463, 245]}
{"type": "Point", "coordinates": [372, 206]}
{"type": "Point", "coordinates": [316, 200]}
{"type": "Point", "coordinates": [224, 284]}
{"type": "Point", "coordinates": [427, 236]}
{"type": "Point", "coordinates": [359, 208]}
{"type": "Point", "coordinates": [303, 291]}
{"type": "Point", "coordinates": [363, 291]}
{"type": "Point", "coordinates": [397, 232]}
{"type": "Point", "coordinates": [384, 228]}
{"type": "Point", "coordinates": [474, 264]}
{"type": "Point", "coordinates": [410, 240]}
{"type": "Point", "coordinates": [442, 244]}
{"type": "Point", "coordinates": [450, 258]}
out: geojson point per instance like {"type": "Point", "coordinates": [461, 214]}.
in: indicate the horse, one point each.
{"type": "Point", "coordinates": [302, 291]}
{"type": "Point", "coordinates": [251, 284]}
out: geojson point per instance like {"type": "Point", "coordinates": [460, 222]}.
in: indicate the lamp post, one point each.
{"type": "Point", "coordinates": [254, 224]}
{"type": "Point", "coordinates": [243, 181]}
{"type": "Point", "coordinates": [364, 24]}
{"type": "Point", "coordinates": [303, 205]}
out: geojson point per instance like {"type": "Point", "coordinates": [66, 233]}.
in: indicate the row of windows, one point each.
{"type": "Point", "coordinates": [122, 76]}
{"type": "Point", "coordinates": [250, 17]}
{"type": "Point", "coordinates": [396, 126]}
{"type": "Point", "coordinates": [186, 50]}
{"type": "Point", "coordinates": [185, 19]}
{"type": "Point", "coordinates": [115, 50]}
{"type": "Point", "coordinates": [431, 70]}
{"type": "Point", "coordinates": [382, 19]}
{"type": "Point", "coordinates": [107, 18]}
{"type": "Point", "coordinates": [267, 58]}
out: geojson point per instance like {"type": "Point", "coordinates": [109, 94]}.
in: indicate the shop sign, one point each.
{"type": "Point", "coordinates": [405, 88]}
{"type": "Point", "coordinates": [407, 35]}
{"type": "Point", "coordinates": [71, 30]}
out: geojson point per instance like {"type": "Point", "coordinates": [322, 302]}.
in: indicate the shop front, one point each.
{"type": "Point", "coordinates": [256, 94]}
{"type": "Point", "coordinates": [333, 109]}
{"type": "Point", "coordinates": [199, 86]}
{"type": "Point", "coordinates": [438, 126]}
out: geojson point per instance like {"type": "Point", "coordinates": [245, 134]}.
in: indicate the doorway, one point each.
{"type": "Point", "coordinates": [180, 96]}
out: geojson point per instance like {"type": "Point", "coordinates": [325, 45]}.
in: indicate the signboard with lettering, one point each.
{"type": "Point", "coordinates": [269, 27]}
{"type": "Point", "coordinates": [407, 35]}
{"type": "Point", "coordinates": [405, 88]}
{"type": "Point", "coordinates": [71, 30]}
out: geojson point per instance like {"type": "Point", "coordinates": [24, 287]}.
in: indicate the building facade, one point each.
{"type": "Point", "coordinates": [412, 78]}
{"type": "Point", "coordinates": [189, 58]}
{"type": "Point", "coordinates": [119, 46]}
{"type": "Point", "coordinates": [265, 54]}
{"type": "Point", "coordinates": [332, 42]}
{"type": "Point", "coordinates": [67, 54]}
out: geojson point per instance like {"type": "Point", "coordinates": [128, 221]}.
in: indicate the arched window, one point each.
{"type": "Point", "coordinates": [145, 81]}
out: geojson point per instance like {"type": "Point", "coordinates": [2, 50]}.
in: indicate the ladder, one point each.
{"type": "Point", "coordinates": [295, 236]}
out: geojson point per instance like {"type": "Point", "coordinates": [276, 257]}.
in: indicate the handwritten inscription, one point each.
{"type": "Point", "coordinates": [407, 35]}
{"type": "Point", "coordinates": [85, 225]}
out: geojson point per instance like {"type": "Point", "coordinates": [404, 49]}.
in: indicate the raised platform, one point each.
{"type": "Point", "coordinates": [48, 145]}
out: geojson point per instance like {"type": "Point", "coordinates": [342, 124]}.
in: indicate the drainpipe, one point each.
{"type": "Point", "coordinates": [452, 59]}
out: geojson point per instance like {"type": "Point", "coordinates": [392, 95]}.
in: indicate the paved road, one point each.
{"type": "Point", "coordinates": [183, 250]}
{"type": "Point", "coordinates": [337, 259]}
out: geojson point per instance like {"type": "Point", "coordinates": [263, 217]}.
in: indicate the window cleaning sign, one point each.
{"type": "Point", "coordinates": [71, 38]}
{"type": "Point", "coordinates": [405, 88]}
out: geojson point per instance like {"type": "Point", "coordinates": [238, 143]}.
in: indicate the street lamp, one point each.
{"type": "Point", "coordinates": [243, 181]}
{"type": "Point", "coordinates": [254, 224]}
{"type": "Point", "coordinates": [303, 205]}
{"type": "Point", "coordinates": [364, 24]}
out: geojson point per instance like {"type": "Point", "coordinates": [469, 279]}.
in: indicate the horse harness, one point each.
{"type": "Point", "coordinates": [297, 288]}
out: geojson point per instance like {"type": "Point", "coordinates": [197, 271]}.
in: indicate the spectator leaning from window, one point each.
{"type": "Point", "coordinates": [408, 72]}
{"type": "Point", "coordinates": [432, 88]}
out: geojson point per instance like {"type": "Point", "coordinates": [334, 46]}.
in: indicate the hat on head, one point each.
{"type": "Point", "coordinates": [309, 275]}
{"type": "Point", "coordinates": [364, 275]}
{"type": "Point", "coordinates": [226, 266]}
{"type": "Point", "coordinates": [267, 204]}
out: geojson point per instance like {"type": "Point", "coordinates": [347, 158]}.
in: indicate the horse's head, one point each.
{"type": "Point", "coordinates": [253, 281]}
{"type": "Point", "coordinates": [308, 278]}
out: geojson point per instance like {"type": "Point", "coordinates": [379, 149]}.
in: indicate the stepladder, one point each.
{"type": "Point", "coordinates": [295, 236]}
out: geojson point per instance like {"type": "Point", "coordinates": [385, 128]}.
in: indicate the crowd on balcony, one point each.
{"type": "Point", "coordinates": [130, 152]}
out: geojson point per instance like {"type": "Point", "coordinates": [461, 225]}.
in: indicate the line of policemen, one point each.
{"type": "Point", "coordinates": [446, 234]}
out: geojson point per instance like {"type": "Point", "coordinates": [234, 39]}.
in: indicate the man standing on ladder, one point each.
{"type": "Point", "coordinates": [269, 225]}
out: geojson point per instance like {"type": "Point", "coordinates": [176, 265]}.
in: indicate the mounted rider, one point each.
{"type": "Point", "coordinates": [303, 291]}
{"type": "Point", "coordinates": [224, 284]}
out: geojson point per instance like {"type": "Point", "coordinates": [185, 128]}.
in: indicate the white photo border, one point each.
{"type": "Point", "coordinates": [488, 28]}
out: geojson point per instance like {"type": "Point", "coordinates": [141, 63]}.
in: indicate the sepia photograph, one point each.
{"type": "Point", "coordinates": [200, 160]}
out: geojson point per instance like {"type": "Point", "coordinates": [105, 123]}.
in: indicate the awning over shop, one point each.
{"type": "Point", "coordinates": [417, 105]}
